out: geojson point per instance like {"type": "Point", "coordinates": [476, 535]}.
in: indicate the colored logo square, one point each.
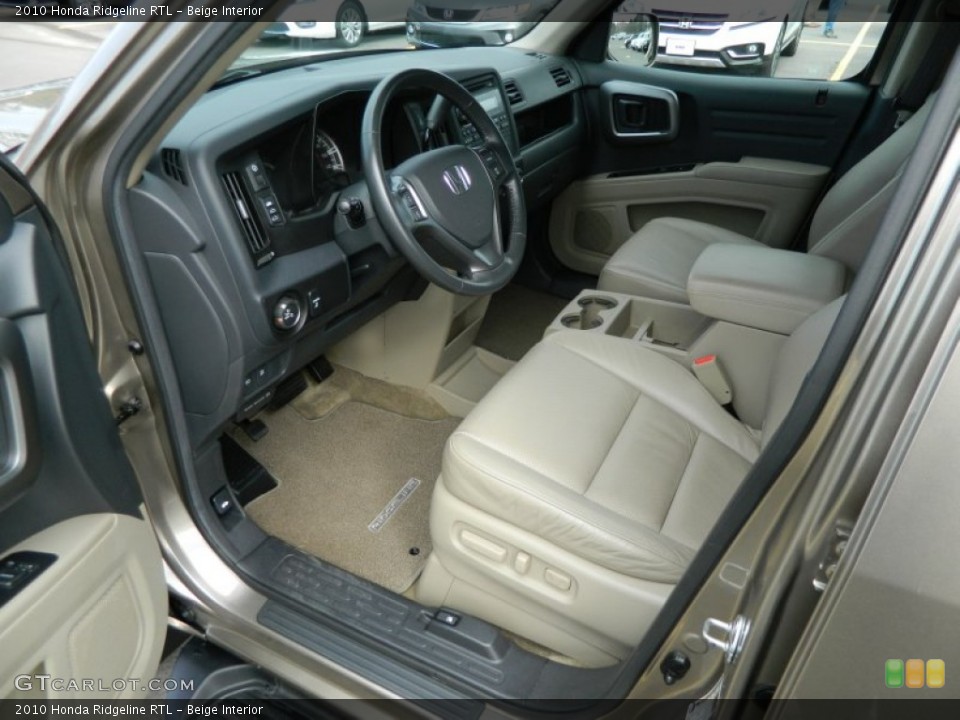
{"type": "Point", "coordinates": [936, 673]}
{"type": "Point", "coordinates": [893, 673]}
{"type": "Point", "coordinates": [914, 673]}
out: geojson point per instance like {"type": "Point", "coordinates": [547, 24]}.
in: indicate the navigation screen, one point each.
{"type": "Point", "coordinates": [490, 101]}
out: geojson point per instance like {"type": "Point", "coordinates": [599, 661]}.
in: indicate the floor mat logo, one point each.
{"type": "Point", "coordinates": [395, 504]}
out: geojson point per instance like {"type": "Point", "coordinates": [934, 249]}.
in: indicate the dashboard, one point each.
{"type": "Point", "coordinates": [255, 223]}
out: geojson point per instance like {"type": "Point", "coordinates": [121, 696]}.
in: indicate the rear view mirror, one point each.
{"type": "Point", "coordinates": [634, 34]}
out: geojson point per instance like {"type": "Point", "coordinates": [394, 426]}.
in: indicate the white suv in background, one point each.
{"type": "Point", "coordinates": [703, 35]}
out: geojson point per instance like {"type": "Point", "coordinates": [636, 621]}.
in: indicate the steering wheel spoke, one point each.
{"type": "Point", "coordinates": [408, 202]}
{"type": "Point", "coordinates": [449, 251]}
{"type": "Point", "coordinates": [491, 155]}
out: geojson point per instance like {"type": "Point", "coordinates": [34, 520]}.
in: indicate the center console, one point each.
{"type": "Point", "coordinates": [669, 328]}
{"type": "Point", "coordinates": [744, 302]}
{"type": "Point", "coordinates": [489, 94]}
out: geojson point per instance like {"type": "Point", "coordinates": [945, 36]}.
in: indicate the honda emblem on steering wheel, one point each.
{"type": "Point", "coordinates": [457, 179]}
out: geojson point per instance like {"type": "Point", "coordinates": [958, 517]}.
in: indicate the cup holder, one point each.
{"type": "Point", "coordinates": [576, 321]}
{"type": "Point", "coordinates": [597, 302]}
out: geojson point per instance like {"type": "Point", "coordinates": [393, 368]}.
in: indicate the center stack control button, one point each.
{"type": "Point", "coordinates": [287, 313]}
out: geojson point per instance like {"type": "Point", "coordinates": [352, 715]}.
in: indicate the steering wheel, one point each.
{"type": "Point", "coordinates": [442, 208]}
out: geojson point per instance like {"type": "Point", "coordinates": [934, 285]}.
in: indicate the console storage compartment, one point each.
{"type": "Point", "coordinates": [763, 288]}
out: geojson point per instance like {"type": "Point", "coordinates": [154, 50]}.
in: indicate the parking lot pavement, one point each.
{"type": "Point", "coordinates": [823, 58]}
{"type": "Point", "coordinates": [35, 52]}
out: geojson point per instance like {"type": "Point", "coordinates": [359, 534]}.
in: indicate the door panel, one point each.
{"type": "Point", "coordinates": [82, 590]}
{"type": "Point", "coordinates": [763, 199]}
{"type": "Point", "coordinates": [99, 611]}
{"type": "Point", "coordinates": [750, 154]}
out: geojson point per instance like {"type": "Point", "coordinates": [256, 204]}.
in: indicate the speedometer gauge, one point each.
{"type": "Point", "coordinates": [328, 156]}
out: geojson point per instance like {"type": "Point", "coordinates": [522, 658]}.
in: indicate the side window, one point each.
{"type": "Point", "coordinates": [806, 39]}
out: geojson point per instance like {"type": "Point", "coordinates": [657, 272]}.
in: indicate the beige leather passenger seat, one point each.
{"type": "Point", "coordinates": [574, 496]}
{"type": "Point", "coordinates": [656, 261]}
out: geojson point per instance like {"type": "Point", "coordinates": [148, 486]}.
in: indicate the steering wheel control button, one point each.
{"type": "Point", "coordinates": [287, 313]}
{"type": "Point", "coordinates": [272, 210]}
{"type": "Point", "coordinates": [314, 303]}
{"type": "Point", "coordinates": [410, 199]}
{"type": "Point", "coordinates": [490, 159]}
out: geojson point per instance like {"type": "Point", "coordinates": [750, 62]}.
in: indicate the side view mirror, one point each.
{"type": "Point", "coordinates": [637, 32]}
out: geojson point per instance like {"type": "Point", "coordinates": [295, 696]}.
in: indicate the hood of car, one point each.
{"type": "Point", "coordinates": [734, 9]}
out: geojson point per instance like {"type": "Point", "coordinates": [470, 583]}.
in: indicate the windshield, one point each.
{"type": "Point", "coordinates": [41, 58]}
{"type": "Point", "coordinates": [314, 28]}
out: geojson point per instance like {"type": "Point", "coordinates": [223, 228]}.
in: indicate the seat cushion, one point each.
{"type": "Point", "coordinates": [656, 261]}
{"type": "Point", "coordinates": [604, 448]}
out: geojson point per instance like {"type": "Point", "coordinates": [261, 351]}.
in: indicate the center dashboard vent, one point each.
{"type": "Point", "coordinates": [172, 165]}
{"type": "Point", "coordinates": [514, 95]}
{"type": "Point", "coordinates": [561, 76]}
{"type": "Point", "coordinates": [257, 239]}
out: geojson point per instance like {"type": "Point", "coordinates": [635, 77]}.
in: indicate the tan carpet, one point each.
{"type": "Point", "coordinates": [338, 473]}
{"type": "Point", "coordinates": [320, 399]}
{"type": "Point", "coordinates": [516, 319]}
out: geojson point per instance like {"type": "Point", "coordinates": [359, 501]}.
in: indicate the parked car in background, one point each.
{"type": "Point", "coordinates": [269, 378]}
{"type": "Point", "coordinates": [639, 42]}
{"type": "Point", "coordinates": [453, 23]}
{"type": "Point", "coordinates": [349, 25]}
{"type": "Point", "coordinates": [705, 36]}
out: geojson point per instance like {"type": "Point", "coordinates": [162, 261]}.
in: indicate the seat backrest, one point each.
{"type": "Point", "coordinates": [797, 356]}
{"type": "Point", "coordinates": [850, 214]}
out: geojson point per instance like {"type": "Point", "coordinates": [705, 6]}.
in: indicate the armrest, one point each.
{"type": "Point", "coordinates": [761, 287]}
{"type": "Point", "coordinates": [766, 171]}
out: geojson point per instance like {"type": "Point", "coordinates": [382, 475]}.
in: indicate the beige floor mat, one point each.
{"type": "Point", "coordinates": [516, 319]}
{"type": "Point", "coordinates": [344, 385]}
{"type": "Point", "coordinates": [337, 474]}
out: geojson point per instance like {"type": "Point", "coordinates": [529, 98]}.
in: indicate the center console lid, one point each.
{"type": "Point", "coordinates": [764, 288]}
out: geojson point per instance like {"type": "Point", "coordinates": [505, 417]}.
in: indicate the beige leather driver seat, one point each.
{"type": "Point", "coordinates": [573, 497]}
{"type": "Point", "coordinates": [656, 261]}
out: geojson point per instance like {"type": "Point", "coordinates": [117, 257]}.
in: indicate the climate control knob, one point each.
{"type": "Point", "coordinates": [287, 313]}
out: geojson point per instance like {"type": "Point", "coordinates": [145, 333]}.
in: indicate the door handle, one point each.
{"type": "Point", "coordinates": [631, 114]}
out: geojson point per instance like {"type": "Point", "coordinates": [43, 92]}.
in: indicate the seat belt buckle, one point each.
{"type": "Point", "coordinates": [711, 376]}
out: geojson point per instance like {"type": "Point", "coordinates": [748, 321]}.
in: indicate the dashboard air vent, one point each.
{"type": "Point", "coordinates": [514, 95]}
{"type": "Point", "coordinates": [257, 239]}
{"type": "Point", "coordinates": [173, 165]}
{"type": "Point", "coordinates": [561, 76]}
